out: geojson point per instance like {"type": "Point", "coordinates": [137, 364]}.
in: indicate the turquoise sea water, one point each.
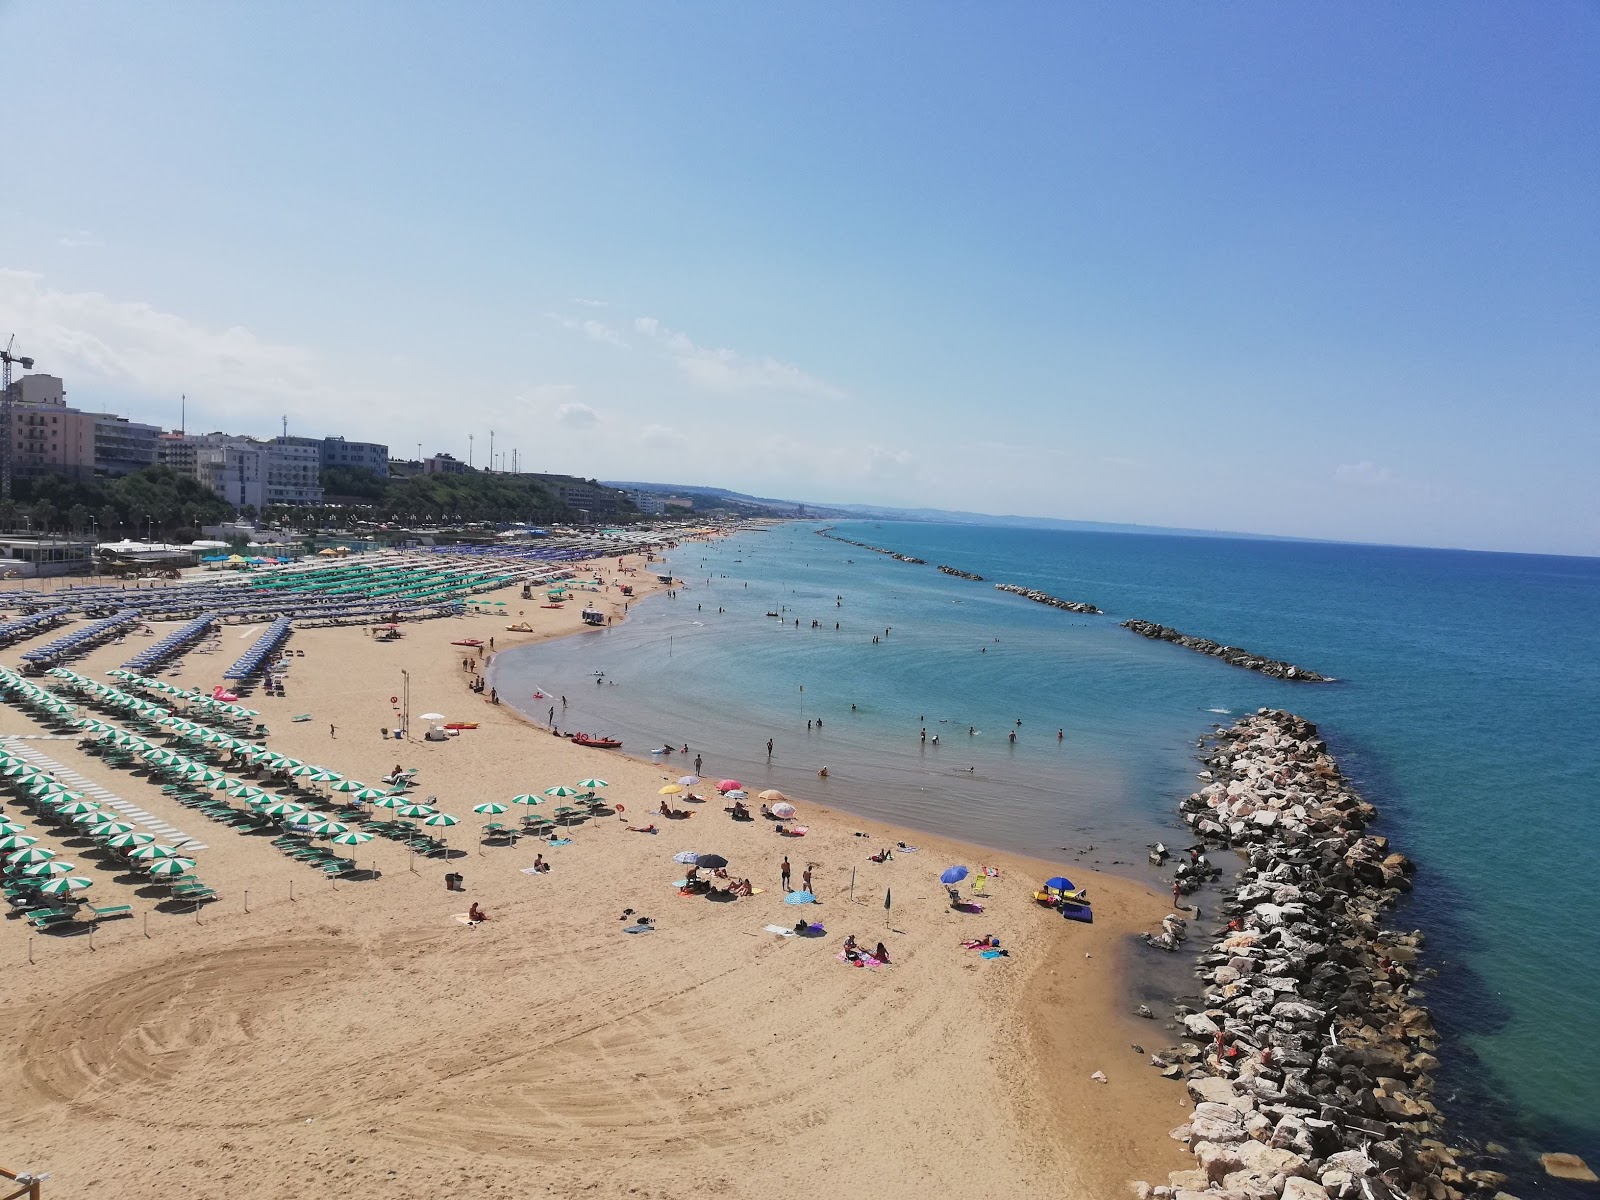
{"type": "Point", "coordinates": [1467, 710]}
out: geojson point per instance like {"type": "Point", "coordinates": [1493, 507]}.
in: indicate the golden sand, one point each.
{"type": "Point", "coordinates": [358, 1039]}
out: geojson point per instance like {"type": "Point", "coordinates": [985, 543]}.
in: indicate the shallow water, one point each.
{"type": "Point", "coordinates": [1466, 710]}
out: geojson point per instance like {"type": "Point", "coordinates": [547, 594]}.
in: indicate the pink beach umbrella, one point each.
{"type": "Point", "coordinates": [729, 785]}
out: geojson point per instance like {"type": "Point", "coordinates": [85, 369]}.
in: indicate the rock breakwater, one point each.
{"type": "Point", "coordinates": [960, 574]}
{"type": "Point", "coordinates": [1039, 597]}
{"type": "Point", "coordinates": [828, 533]}
{"type": "Point", "coordinates": [1228, 654]}
{"type": "Point", "coordinates": [1311, 1061]}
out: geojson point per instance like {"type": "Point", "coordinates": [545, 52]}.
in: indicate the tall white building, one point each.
{"type": "Point", "coordinates": [249, 472]}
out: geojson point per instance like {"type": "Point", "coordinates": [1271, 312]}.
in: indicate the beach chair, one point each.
{"type": "Point", "coordinates": [980, 886]}
{"type": "Point", "coordinates": [111, 910]}
{"type": "Point", "coordinates": [52, 918]}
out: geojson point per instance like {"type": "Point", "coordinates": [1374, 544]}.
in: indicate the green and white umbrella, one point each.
{"type": "Point", "coordinates": [48, 868]}
{"type": "Point", "coordinates": [591, 784]}
{"type": "Point", "coordinates": [66, 884]}
{"type": "Point", "coordinates": [304, 820]}
{"type": "Point", "coordinates": [329, 828]}
{"type": "Point", "coordinates": [350, 785]}
{"type": "Point", "coordinates": [302, 771]}
{"type": "Point", "coordinates": [390, 802]}
{"type": "Point", "coordinates": [102, 829]}
{"type": "Point", "coordinates": [9, 827]}
{"type": "Point", "coordinates": [490, 809]}
{"type": "Point", "coordinates": [78, 808]}
{"type": "Point", "coordinates": [417, 810]}
{"type": "Point", "coordinates": [527, 800]}
{"type": "Point", "coordinates": [24, 856]}
{"type": "Point", "coordinates": [367, 793]}
{"type": "Point", "coordinates": [245, 791]}
{"type": "Point", "coordinates": [563, 792]}
{"type": "Point", "coordinates": [166, 867]}
{"type": "Point", "coordinates": [126, 841]}
{"type": "Point", "coordinates": [284, 808]}
{"type": "Point", "coordinates": [153, 850]}
{"type": "Point", "coordinates": [440, 818]}
{"type": "Point", "coordinates": [17, 841]}
{"type": "Point", "coordinates": [352, 837]}
{"type": "Point", "coordinates": [323, 775]}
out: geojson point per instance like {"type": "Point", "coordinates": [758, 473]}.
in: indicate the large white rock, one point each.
{"type": "Point", "coordinates": [1200, 1025]}
{"type": "Point", "coordinates": [1212, 1090]}
{"type": "Point", "coordinates": [1303, 1189]}
{"type": "Point", "coordinates": [1353, 1161]}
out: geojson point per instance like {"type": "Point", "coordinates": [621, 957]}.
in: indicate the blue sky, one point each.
{"type": "Point", "coordinates": [1328, 270]}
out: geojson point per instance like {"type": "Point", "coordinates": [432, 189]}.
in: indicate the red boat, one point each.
{"type": "Point", "coordinates": [583, 739]}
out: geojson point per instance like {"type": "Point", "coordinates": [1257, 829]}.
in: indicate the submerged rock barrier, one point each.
{"type": "Point", "coordinates": [1228, 654]}
{"type": "Point", "coordinates": [960, 574]}
{"type": "Point", "coordinates": [828, 533]}
{"type": "Point", "coordinates": [1310, 1061]}
{"type": "Point", "coordinates": [1039, 597]}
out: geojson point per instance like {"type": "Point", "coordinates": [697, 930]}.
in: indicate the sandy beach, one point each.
{"type": "Point", "coordinates": [303, 1034]}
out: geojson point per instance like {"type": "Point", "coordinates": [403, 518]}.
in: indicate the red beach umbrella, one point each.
{"type": "Point", "coordinates": [729, 785]}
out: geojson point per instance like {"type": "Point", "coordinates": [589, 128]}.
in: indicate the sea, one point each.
{"type": "Point", "coordinates": [1466, 707]}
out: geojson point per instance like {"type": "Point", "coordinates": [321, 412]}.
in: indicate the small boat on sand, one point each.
{"type": "Point", "coordinates": [583, 739]}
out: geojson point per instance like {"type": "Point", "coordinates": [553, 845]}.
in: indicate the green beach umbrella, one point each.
{"type": "Point", "coordinates": [284, 808]}
{"type": "Point", "coordinates": [349, 785]}
{"type": "Point", "coordinates": [417, 810]}
{"type": "Point", "coordinates": [304, 820]}
{"type": "Point", "coordinates": [490, 809]}
{"type": "Point", "coordinates": [367, 793]}
{"type": "Point", "coordinates": [28, 855]}
{"type": "Point", "coordinates": [440, 818]}
{"type": "Point", "coordinates": [170, 866]}
{"type": "Point", "coordinates": [323, 775]}
{"type": "Point", "coordinates": [9, 827]}
{"type": "Point", "coordinates": [110, 828]}
{"type": "Point", "coordinates": [302, 770]}
{"type": "Point", "coordinates": [352, 837]}
{"type": "Point", "coordinates": [560, 791]}
{"type": "Point", "coordinates": [18, 842]}
{"type": "Point", "coordinates": [529, 799]}
{"type": "Point", "coordinates": [390, 802]}
{"type": "Point", "coordinates": [48, 867]}
{"type": "Point", "coordinates": [245, 791]}
{"type": "Point", "coordinates": [66, 884]}
{"type": "Point", "coordinates": [153, 850]}
{"type": "Point", "coordinates": [78, 807]}
{"type": "Point", "coordinates": [125, 841]}
{"type": "Point", "coordinates": [591, 784]}
{"type": "Point", "coordinates": [329, 828]}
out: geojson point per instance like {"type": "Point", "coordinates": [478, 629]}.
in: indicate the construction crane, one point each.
{"type": "Point", "coordinates": [7, 421]}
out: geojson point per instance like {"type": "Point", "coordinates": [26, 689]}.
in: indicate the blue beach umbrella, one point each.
{"type": "Point", "coordinates": [953, 875]}
{"type": "Point", "coordinates": [799, 898]}
{"type": "Point", "coordinates": [1060, 883]}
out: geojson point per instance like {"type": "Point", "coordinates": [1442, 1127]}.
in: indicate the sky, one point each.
{"type": "Point", "coordinates": [1317, 270]}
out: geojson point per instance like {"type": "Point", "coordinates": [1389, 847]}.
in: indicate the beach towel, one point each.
{"type": "Point", "coordinates": [560, 842]}
{"type": "Point", "coordinates": [532, 871]}
{"type": "Point", "coordinates": [995, 954]}
{"type": "Point", "coordinates": [639, 929]}
{"type": "Point", "coordinates": [780, 931]}
{"type": "Point", "coordinates": [866, 960]}
{"type": "Point", "coordinates": [905, 849]}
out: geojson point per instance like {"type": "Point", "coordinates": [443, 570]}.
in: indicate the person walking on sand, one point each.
{"type": "Point", "coordinates": [331, 732]}
{"type": "Point", "coordinates": [784, 872]}
{"type": "Point", "coordinates": [805, 878]}
{"type": "Point", "coordinates": [697, 761]}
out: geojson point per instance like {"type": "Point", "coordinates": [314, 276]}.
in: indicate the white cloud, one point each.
{"type": "Point", "coordinates": [663, 437]}
{"type": "Point", "coordinates": [136, 346]}
{"type": "Point", "coordinates": [79, 240]}
{"type": "Point", "coordinates": [591, 303]}
{"type": "Point", "coordinates": [597, 331]}
{"type": "Point", "coordinates": [725, 370]}
{"type": "Point", "coordinates": [577, 416]}
{"type": "Point", "coordinates": [1363, 474]}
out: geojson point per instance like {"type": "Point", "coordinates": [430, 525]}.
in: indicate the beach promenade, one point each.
{"type": "Point", "coordinates": [355, 1036]}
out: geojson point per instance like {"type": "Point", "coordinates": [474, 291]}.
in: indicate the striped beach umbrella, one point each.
{"type": "Point", "coordinates": [417, 810]}
{"type": "Point", "coordinates": [441, 818]}
{"type": "Point", "coordinates": [349, 785]}
{"type": "Point", "coordinates": [105, 829]}
{"type": "Point", "coordinates": [491, 809]}
{"type": "Point", "coordinates": [45, 868]}
{"type": "Point", "coordinates": [352, 837]}
{"type": "Point", "coordinates": [529, 799]}
{"type": "Point", "coordinates": [372, 794]}
{"type": "Point", "coordinates": [329, 828]}
{"type": "Point", "coordinates": [560, 791]}
{"type": "Point", "coordinates": [78, 807]}
{"type": "Point", "coordinates": [305, 820]}
{"type": "Point", "coordinates": [26, 856]}
{"type": "Point", "coordinates": [65, 885]}
{"type": "Point", "coordinates": [153, 850]}
{"type": "Point", "coordinates": [284, 808]}
{"type": "Point", "coordinates": [390, 802]}
{"type": "Point", "coordinates": [244, 790]}
{"type": "Point", "coordinates": [323, 775]}
{"type": "Point", "coordinates": [302, 771]}
{"type": "Point", "coordinates": [9, 827]}
{"type": "Point", "coordinates": [18, 842]}
{"type": "Point", "coordinates": [591, 784]}
{"type": "Point", "coordinates": [126, 841]}
{"type": "Point", "coordinates": [167, 867]}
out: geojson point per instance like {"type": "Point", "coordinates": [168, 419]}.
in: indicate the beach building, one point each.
{"type": "Point", "coordinates": [49, 437]}
{"type": "Point", "coordinates": [31, 556]}
{"type": "Point", "coordinates": [591, 499]}
{"type": "Point", "coordinates": [651, 504]}
{"type": "Point", "coordinates": [444, 464]}
{"type": "Point", "coordinates": [370, 456]}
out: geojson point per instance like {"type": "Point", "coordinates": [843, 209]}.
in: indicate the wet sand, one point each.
{"type": "Point", "coordinates": [359, 1036]}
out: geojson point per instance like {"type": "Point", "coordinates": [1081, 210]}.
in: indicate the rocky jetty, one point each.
{"type": "Point", "coordinates": [1310, 1063]}
{"type": "Point", "coordinates": [828, 533]}
{"type": "Point", "coordinates": [960, 574]}
{"type": "Point", "coordinates": [1039, 597]}
{"type": "Point", "coordinates": [1229, 654]}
